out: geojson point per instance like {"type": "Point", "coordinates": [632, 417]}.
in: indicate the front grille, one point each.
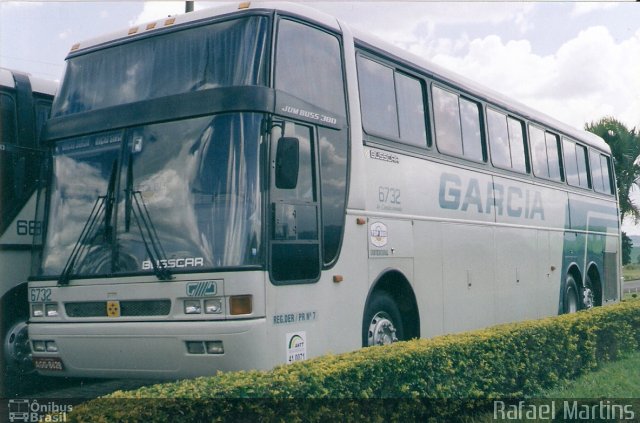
{"type": "Point", "coordinates": [127, 308]}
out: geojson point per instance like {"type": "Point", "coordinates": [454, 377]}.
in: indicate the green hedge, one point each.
{"type": "Point", "coordinates": [439, 377]}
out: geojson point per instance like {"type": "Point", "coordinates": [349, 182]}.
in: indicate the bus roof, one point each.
{"type": "Point", "coordinates": [430, 68]}
{"type": "Point", "coordinates": [38, 85]}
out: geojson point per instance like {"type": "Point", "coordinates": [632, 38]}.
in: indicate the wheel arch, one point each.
{"type": "Point", "coordinates": [593, 273]}
{"type": "Point", "coordinates": [397, 285]}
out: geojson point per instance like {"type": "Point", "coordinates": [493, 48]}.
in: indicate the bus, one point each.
{"type": "Point", "coordinates": [25, 103]}
{"type": "Point", "coordinates": [254, 185]}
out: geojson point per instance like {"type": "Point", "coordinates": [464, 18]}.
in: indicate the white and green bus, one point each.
{"type": "Point", "coordinates": [259, 184]}
{"type": "Point", "coordinates": [25, 102]}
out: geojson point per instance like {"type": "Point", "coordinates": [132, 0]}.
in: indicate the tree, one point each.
{"type": "Point", "coordinates": [625, 149]}
{"type": "Point", "coordinates": [627, 246]}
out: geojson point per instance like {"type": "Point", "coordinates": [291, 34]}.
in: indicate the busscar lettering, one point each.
{"type": "Point", "coordinates": [175, 263]}
{"type": "Point", "coordinates": [385, 157]}
{"type": "Point", "coordinates": [456, 194]}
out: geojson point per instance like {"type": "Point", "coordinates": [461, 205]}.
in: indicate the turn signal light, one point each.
{"type": "Point", "coordinates": [240, 304]}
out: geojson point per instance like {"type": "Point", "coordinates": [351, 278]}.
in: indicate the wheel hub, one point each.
{"type": "Point", "coordinates": [382, 331]}
{"type": "Point", "coordinates": [587, 298]}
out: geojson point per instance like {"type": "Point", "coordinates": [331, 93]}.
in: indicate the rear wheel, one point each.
{"type": "Point", "coordinates": [570, 298]}
{"type": "Point", "coordinates": [382, 323]}
{"type": "Point", "coordinates": [588, 295]}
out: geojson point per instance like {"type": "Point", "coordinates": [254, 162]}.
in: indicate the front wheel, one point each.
{"type": "Point", "coordinates": [382, 323]}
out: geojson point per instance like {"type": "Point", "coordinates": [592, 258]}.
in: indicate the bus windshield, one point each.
{"type": "Point", "coordinates": [188, 189]}
{"type": "Point", "coordinates": [222, 54]}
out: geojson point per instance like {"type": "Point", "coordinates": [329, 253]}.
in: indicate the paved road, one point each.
{"type": "Point", "coordinates": [631, 286]}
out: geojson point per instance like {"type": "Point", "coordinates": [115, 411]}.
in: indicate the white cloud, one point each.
{"type": "Point", "coordinates": [583, 8]}
{"type": "Point", "coordinates": [588, 77]}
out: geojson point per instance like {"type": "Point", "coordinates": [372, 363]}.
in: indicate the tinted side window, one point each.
{"type": "Point", "coordinates": [410, 94]}
{"type": "Point", "coordinates": [499, 139]}
{"type": "Point", "coordinates": [309, 66]}
{"type": "Point", "coordinates": [581, 156]}
{"type": "Point", "coordinates": [392, 103]}
{"type": "Point", "coordinates": [538, 152]}
{"type": "Point", "coordinates": [596, 171]}
{"type": "Point", "coordinates": [605, 162]}
{"type": "Point", "coordinates": [575, 157]}
{"type": "Point", "coordinates": [506, 135]}
{"type": "Point", "coordinates": [516, 143]}
{"type": "Point", "coordinates": [545, 159]}
{"type": "Point", "coordinates": [8, 122]}
{"type": "Point", "coordinates": [457, 123]}
{"type": "Point", "coordinates": [377, 98]}
{"type": "Point", "coordinates": [471, 132]}
{"type": "Point", "coordinates": [570, 162]}
{"type": "Point", "coordinates": [447, 121]}
{"type": "Point", "coordinates": [43, 111]}
{"type": "Point", "coordinates": [553, 156]}
{"type": "Point", "coordinates": [333, 168]}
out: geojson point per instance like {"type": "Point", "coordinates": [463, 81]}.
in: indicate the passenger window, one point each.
{"type": "Point", "coordinates": [575, 156]}
{"type": "Point", "coordinates": [499, 139]}
{"type": "Point", "coordinates": [392, 103]}
{"type": "Point", "coordinates": [596, 171]}
{"type": "Point", "coordinates": [447, 122]}
{"type": "Point", "coordinates": [605, 162]}
{"type": "Point", "coordinates": [539, 161]}
{"type": "Point", "coordinates": [471, 132]}
{"type": "Point", "coordinates": [457, 123]}
{"type": "Point", "coordinates": [516, 143]}
{"type": "Point", "coordinates": [553, 156]}
{"type": "Point", "coordinates": [545, 160]}
{"type": "Point", "coordinates": [377, 98]}
{"type": "Point", "coordinates": [410, 95]}
{"type": "Point", "coordinates": [570, 162]}
{"type": "Point", "coordinates": [581, 156]}
{"type": "Point", "coordinates": [506, 137]}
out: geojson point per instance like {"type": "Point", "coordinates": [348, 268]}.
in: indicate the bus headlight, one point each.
{"type": "Point", "coordinates": [51, 310]}
{"type": "Point", "coordinates": [192, 307]}
{"type": "Point", "coordinates": [213, 306]}
{"type": "Point", "coordinates": [37, 310]}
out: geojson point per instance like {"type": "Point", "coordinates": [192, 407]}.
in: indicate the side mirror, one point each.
{"type": "Point", "coordinates": [287, 163]}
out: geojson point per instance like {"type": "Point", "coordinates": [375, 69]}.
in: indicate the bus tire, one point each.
{"type": "Point", "coordinates": [588, 296]}
{"type": "Point", "coordinates": [15, 360]}
{"type": "Point", "coordinates": [382, 323]}
{"type": "Point", "coordinates": [570, 300]}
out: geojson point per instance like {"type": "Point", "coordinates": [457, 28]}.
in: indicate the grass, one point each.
{"type": "Point", "coordinates": [631, 272]}
{"type": "Point", "coordinates": [618, 379]}
{"type": "Point", "coordinates": [615, 380]}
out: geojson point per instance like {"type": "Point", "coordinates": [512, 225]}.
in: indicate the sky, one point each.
{"type": "Point", "coordinates": [576, 61]}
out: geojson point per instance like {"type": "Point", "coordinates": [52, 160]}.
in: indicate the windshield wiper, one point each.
{"type": "Point", "coordinates": [102, 208]}
{"type": "Point", "coordinates": [141, 216]}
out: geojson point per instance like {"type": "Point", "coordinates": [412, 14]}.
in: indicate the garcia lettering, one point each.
{"type": "Point", "coordinates": [470, 195]}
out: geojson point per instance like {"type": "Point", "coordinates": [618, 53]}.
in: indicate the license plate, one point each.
{"type": "Point", "coordinates": [48, 364]}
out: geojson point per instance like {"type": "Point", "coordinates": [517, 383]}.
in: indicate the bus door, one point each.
{"type": "Point", "coordinates": [294, 209]}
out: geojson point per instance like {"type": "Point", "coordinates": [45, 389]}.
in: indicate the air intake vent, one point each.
{"type": "Point", "coordinates": [127, 308]}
